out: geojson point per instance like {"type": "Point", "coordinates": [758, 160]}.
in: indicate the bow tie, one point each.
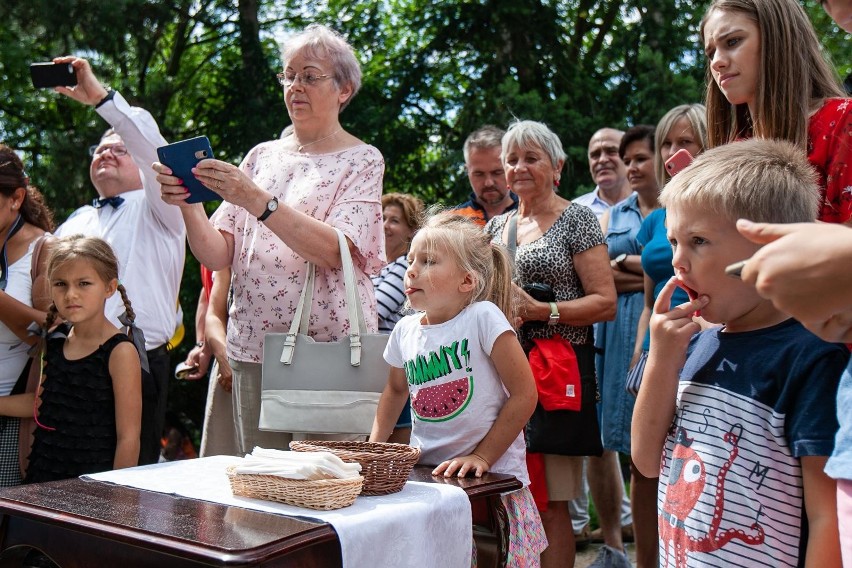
{"type": "Point", "coordinates": [114, 201]}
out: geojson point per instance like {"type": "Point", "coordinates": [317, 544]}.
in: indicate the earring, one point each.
{"type": "Point", "coordinates": [556, 182]}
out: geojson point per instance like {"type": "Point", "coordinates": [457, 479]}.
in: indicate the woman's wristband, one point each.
{"type": "Point", "coordinates": [553, 318]}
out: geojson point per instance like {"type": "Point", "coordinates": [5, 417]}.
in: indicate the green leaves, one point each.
{"type": "Point", "coordinates": [433, 71]}
{"type": "Point", "coordinates": [446, 68]}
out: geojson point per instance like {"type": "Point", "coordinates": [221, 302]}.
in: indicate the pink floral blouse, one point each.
{"type": "Point", "coordinates": [342, 189]}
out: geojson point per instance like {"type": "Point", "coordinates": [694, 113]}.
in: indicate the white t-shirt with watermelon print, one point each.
{"type": "Point", "coordinates": [456, 393]}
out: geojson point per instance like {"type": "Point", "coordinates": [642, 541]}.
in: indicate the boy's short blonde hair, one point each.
{"type": "Point", "coordinates": [768, 181]}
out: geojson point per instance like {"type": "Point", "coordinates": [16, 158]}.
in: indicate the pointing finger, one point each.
{"type": "Point", "coordinates": [762, 233]}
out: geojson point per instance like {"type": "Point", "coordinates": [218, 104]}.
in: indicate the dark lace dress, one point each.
{"type": "Point", "coordinates": [77, 401]}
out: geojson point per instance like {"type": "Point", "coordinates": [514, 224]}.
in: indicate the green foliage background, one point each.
{"type": "Point", "coordinates": [433, 71]}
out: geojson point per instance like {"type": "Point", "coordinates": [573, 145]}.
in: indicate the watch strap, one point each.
{"type": "Point", "coordinates": [268, 211]}
{"type": "Point", "coordinates": [109, 96]}
{"type": "Point", "coordinates": [554, 314]}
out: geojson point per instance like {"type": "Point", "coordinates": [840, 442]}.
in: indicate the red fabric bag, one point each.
{"type": "Point", "coordinates": [538, 480]}
{"type": "Point", "coordinates": [557, 375]}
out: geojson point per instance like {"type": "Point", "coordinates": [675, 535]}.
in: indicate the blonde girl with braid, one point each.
{"type": "Point", "coordinates": [89, 407]}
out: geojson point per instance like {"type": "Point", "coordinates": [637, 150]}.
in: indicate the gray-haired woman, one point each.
{"type": "Point", "coordinates": [559, 244]}
{"type": "Point", "coordinates": [281, 207]}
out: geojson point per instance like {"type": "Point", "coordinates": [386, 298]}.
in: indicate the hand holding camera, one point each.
{"type": "Point", "coordinates": [69, 76]}
{"type": "Point", "coordinates": [49, 74]}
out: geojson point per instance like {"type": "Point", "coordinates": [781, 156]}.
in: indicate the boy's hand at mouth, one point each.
{"type": "Point", "coordinates": [672, 328]}
{"type": "Point", "coordinates": [692, 294]}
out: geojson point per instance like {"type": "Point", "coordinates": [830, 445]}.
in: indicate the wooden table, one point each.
{"type": "Point", "coordinates": [90, 523]}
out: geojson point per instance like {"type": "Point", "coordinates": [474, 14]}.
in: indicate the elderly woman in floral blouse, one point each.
{"type": "Point", "coordinates": [281, 208]}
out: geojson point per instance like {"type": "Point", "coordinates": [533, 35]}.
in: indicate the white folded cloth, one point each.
{"type": "Point", "coordinates": [399, 530]}
{"type": "Point", "coordinates": [297, 465]}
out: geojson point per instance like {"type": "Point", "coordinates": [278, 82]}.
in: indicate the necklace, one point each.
{"type": "Point", "coordinates": [303, 146]}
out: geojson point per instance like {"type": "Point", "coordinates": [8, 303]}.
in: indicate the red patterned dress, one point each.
{"type": "Point", "coordinates": [830, 152]}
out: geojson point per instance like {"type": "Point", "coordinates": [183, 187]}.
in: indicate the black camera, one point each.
{"type": "Point", "coordinates": [539, 292]}
{"type": "Point", "coordinates": [49, 75]}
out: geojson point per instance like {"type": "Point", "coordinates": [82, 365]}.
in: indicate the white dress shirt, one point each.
{"type": "Point", "coordinates": [147, 235]}
{"type": "Point", "coordinates": [593, 201]}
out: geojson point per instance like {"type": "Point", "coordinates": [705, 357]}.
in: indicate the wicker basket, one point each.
{"type": "Point", "coordinates": [385, 467]}
{"type": "Point", "coordinates": [322, 494]}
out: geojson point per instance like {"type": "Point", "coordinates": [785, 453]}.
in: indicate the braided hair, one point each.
{"type": "Point", "coordinates": [131, 315]}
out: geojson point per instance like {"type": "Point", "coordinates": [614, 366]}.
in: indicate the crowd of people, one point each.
{"type": "Point", "coordinates": [707, 305]}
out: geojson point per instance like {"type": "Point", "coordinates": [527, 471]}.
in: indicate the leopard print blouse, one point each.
{"type": "Point", "coordinates": [550, 260]}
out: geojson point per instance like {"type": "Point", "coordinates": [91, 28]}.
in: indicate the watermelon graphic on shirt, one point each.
{"type": "Point", "coordinates": [442, 402]}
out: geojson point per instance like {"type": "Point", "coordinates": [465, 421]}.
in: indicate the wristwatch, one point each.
{"type": "Point", "coordinates": [109, 96]}
{"type": "Point", "coordinates": [554, 314]}
{"type": "Point", "coordinates": [271, 205]}
{"type": "Point", "coordinates": [619, 260]}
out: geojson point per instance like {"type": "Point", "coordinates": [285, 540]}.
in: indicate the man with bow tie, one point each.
{"type": "Point", "coordinates": [146, 233]}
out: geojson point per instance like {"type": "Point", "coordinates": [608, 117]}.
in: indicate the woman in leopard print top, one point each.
{"type": "Point", "coordinates": [560, 244]}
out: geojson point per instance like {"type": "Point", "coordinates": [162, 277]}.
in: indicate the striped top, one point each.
{"type": "Point", "coordinates": [390, 293]}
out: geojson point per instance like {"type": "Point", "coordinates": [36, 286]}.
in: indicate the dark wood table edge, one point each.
{"type": "Point", "coordinates": [171, 545]}
{"type": "Point", "coordinates": [187, 549]}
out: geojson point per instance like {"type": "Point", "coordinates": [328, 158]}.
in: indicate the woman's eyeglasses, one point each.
{"type": "Point", "coordinates": [117, 150]}
{"type": "Point", "coordinates": [307, 78]}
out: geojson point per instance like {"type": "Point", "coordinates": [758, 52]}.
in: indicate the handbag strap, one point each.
{"type": "Point", "coordinates": [512, 245]}
{"type": "Point", "coordinates": [302, 315]}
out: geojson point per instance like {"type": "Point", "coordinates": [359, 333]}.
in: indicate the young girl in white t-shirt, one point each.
{"type": "Point", "coordinates": [472, 391]}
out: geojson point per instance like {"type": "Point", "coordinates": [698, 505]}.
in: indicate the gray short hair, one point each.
{"type": "Point", "coordinates": [321, 42]}
{"type": "Point", "coordinates": [488, 136]}
{"type": "Point", "coordinates": [528, 133]}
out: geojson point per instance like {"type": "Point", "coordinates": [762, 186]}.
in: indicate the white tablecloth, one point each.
{"type": "Point", "coordinates": [425, 524]}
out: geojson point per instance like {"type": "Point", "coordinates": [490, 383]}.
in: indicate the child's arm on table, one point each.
{"type": "Point", "coordinates": [126, 376]}
{"type": "Point", "coordinates": [821, 508]}
{"type": "Point", "coordinates": [514, 371]}
{"type": "Point", "coordinates": [671, 331]}
{"type": "Point", "coordinates": [390, 405]}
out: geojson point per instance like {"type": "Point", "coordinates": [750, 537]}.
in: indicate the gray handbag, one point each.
{"type": "Point", "coordinates": [323, 387]}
